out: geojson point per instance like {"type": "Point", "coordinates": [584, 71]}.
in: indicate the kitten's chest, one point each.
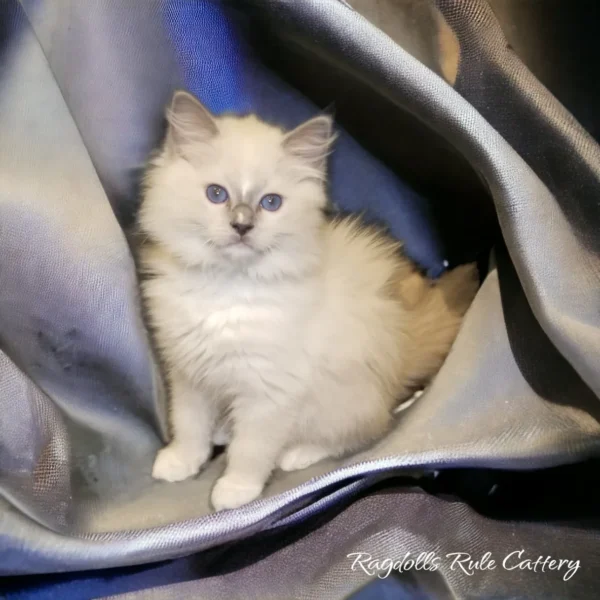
{"type": "Point", "coordinates": [236, 320]}
{"type": "Point", "coordinates": [212, 322]}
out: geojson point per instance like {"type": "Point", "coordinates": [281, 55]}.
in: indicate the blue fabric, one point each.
{"type": "Point", "coordinates": [88, 585]}
{"type": "Point", "coordinates": [209, 53]}
{"type": "Point", "coordinates": [389, 588]}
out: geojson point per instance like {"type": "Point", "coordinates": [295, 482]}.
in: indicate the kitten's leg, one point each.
{"type": "Point", "coordinates": [302, 456]}
{"type": "Point", "coordinates": [259, 434]}
{"type": "Point", "coordinates": [222, 434]}
{"type": "Point", "coordinates": [192, 422]}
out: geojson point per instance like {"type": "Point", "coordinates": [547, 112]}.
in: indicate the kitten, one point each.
{"type": "Point", "coordinates": [290, 336]}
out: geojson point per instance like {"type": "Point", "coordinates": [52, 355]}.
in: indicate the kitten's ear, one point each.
{"type": "Point", "coordinates": [311, 142]}
{"type": "Point", "coordinates": [189, 122]}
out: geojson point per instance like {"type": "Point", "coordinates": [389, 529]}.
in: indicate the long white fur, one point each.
{"type": "Point", "coordinates": [295, 347]}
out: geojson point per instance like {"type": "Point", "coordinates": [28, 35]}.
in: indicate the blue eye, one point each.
{"type": "Point", "coordinates": [271, 201]}
{"type": "Point", "coordinates": [217, 194]}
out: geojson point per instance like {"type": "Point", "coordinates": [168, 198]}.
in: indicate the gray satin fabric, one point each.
{"type": "Point", "coordinates": [70, 327]}
{"type": "Point", "coordinates": [81, 405]}
{"type": "Point", "coordinates": [297, 571]}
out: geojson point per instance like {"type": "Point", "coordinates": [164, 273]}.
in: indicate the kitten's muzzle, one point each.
{"type": "Point", "coordinates": [242, 218]}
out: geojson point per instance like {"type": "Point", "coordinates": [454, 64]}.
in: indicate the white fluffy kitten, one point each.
{"type": "Point", "coordinates": [289, 336]}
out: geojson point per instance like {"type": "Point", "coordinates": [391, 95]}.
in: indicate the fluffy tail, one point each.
{"type": "Point", "coordinates": [436, 311]}
{"type": "Point", "coordinates": [458, 288]}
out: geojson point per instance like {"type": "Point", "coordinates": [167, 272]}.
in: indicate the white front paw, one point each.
{"type": "Point", "coordinates": [232, 492]}
{"type": "Point", "coordinates": [176, 463]}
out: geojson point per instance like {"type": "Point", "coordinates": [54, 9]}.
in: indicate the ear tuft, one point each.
{"type": "Point", "coordinates": [189, 121]}
{"type": "Point", "coordinates": [311, 142]}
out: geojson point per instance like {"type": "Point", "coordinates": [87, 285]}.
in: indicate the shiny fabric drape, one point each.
{"type": "Point", "coordinates": [446, 136]}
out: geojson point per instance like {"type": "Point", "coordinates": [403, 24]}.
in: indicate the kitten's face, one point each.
{"type": "Point", "coordinates": [235, 191]}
